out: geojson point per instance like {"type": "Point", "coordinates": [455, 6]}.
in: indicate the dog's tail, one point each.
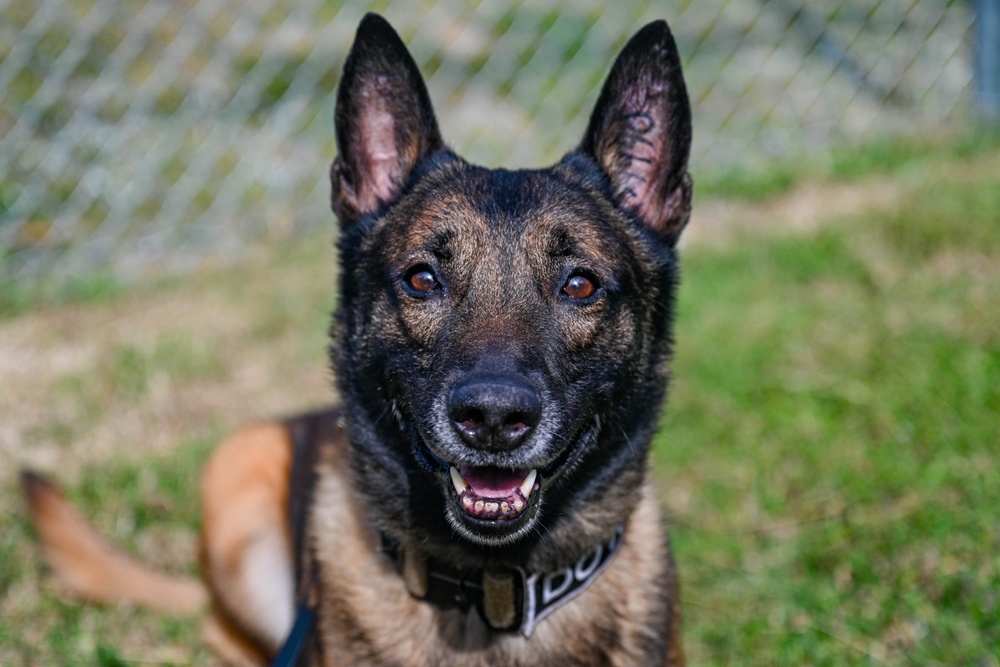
{"type": "Point", "coordinates": [88, 566]}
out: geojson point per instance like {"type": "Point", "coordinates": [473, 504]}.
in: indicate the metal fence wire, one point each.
{"type": "Point", "coordinates": [137, 135]}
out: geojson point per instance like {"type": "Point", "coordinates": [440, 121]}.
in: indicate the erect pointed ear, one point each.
{"type": "Point", "coordinates": [384, 120]}
{"type": "Point", "coordinates": [640, 132]}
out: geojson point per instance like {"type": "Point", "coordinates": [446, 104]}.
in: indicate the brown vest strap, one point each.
{"type": "Point", "coordinates": [309, 434]}
{"type": "Point", "coordinates": [301, 483]}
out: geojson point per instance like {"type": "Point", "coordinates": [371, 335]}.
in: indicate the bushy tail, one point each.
{"type": "Point", "coordinates": [88, 566]}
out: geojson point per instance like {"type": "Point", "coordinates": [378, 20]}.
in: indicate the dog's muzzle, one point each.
{"type": "Point", "coordinates": [495, 414]}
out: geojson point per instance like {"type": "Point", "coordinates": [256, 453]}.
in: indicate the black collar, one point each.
{"type": "Point", "coordinates": [508, 599]}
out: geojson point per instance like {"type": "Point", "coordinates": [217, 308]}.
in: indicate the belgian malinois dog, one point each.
{"type": "Point", "coordinates": [501, 343]}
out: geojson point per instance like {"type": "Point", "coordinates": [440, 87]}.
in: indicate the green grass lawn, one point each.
{"type": "Point", "coordinates": [831, 450]}
{"type": "Point", "coordinates": [830, 455]}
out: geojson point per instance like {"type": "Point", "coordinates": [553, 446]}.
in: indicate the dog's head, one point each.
{"type": "Point", "coordinates": [502, 336]}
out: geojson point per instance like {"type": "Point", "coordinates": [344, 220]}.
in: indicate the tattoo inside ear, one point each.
{"type": "Point", "coordinates": [640, 132]}
{"type": "Point", "coordinates": [640, 156]}
{"type": "Point", "coordinates": [644, 181]}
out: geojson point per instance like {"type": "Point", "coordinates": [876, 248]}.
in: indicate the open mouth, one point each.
{"type": "Point", "coordinates": [490, 498]}
{"type": "Point", "coordinates": [493, 494]}
{"type": "Point", "coordinates": [489, 503]}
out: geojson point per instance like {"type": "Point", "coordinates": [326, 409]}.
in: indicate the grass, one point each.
{"type": "Point", "coordinates": [832, 438]}
{"type": "Point", "coordinates": [829, 456]}
{"type": "Point", "coordinates": [17, 298]}
{"type": "Point", "coordinates": [150, 508]}
{"type": "Point", "coordinates": [897, 154]}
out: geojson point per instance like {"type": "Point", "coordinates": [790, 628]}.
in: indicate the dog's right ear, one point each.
{"type": "Point", "coordinates": [384, 120]}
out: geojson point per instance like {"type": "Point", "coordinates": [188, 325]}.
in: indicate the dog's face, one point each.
{"type": "Point", "coordinates": [502, 335]}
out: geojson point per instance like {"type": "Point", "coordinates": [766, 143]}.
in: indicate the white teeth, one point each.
{"type": "Point", "coordinates": [529, 483]}
{"type": "Point", "coordinates": [457, 481]}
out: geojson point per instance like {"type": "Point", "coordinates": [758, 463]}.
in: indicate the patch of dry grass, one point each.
{"type": "Point", "coordinates": [137, 374]}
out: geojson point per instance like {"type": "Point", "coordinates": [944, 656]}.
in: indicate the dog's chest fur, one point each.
{"type": "Point", "coordinates": [367, 616]}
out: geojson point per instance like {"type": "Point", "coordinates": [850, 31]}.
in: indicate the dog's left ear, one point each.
{"type": "Point", "coordinates": [384, 120]}
{"type": "Point", "coordinates": [640, 132]}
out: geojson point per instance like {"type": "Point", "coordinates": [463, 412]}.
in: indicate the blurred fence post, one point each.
{"type": "Point", "coordinates": [988, 58]}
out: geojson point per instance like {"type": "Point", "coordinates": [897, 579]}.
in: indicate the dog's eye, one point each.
{"type": "Point", "coordinates": [580, 287]}
{"type": "Point", "coordinates": [421, 279]}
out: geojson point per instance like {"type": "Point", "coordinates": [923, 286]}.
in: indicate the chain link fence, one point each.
{"type": "Point", "coordinates": [139, 135]}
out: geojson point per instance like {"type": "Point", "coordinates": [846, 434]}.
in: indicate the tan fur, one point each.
{"type": "Point", "coordinates": [229, 645]}
{"type": "Point", "coordinates": [244, 499]}
{"type": "Point", "coordinates": [87, 566]}
{"type": "Point", "coordinates": [244, 489]}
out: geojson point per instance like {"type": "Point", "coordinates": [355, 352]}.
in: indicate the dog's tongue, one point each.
{"type": "Point", "coordinates": [492, 482]}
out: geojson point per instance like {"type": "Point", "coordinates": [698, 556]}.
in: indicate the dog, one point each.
{"type": "Point", "coordinates": [501, 344]}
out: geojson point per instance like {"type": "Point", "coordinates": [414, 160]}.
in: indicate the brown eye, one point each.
{"type": "Point", "coordinates": [579, 287]}
{"type": "Point", "coordinates": [421, 280]}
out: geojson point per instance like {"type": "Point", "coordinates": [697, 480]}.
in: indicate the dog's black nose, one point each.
{"type": "Point", "coordinates": [494, 413]}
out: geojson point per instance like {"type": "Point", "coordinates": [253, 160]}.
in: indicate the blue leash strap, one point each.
{"type": "Point", "coordinates": [295, 644]}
